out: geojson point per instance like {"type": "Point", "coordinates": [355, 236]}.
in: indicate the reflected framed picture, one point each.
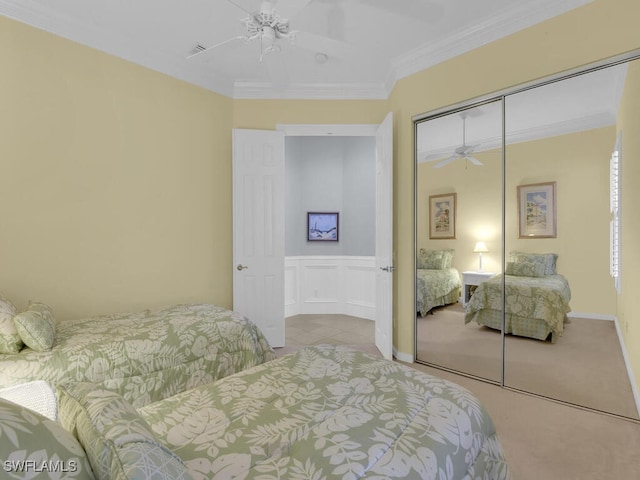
{"type": "Point", "coordinates": [442, 216]}
{"type": "Point", "coordinates": [537, 210]}
{"type": "Point", "coordinates": [322, 226]}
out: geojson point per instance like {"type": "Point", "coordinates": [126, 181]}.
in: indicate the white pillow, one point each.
{"type": "Point", "coordinates": [36, 396]}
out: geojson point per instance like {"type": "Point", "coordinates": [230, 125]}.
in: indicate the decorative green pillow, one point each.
{"type": "Point", "coordinates": [119, 443]}
{"type": "Point", "coordinates": [548, 260]}
{"type": "Point", "coordinates": [10, 341]}
{"type": "Point", "coordinates": [37, 327]}
{"type": "Point", "coordinates": [447, 258]}
{"type": "Point", "coordinates": [434, 259]}
{"type": "Point", "coordinates": [525, 269]}
{"type": "Point", "coordinates": [33, 446]}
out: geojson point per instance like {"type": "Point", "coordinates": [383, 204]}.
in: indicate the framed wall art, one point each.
{"type": "Point", "coordinates": [442, 216]}
{"type": "Point", "coordinates": [537, 210]}
{"type": "Point", "coordinates": [322, 226]}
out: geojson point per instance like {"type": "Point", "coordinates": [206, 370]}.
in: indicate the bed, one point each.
{"type": "Point", "coordinates": [321, 412]}
{"type": "Point", "coordinates": [536, 298]}
{"type": "Point", "coordinates": [145, 356]}
{"type": "Point", "coordinates": [437, 282]}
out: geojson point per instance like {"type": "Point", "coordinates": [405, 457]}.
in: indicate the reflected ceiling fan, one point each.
{"type": "Point", "coordinates": [269, 27]}
{"type": "Point", "coordinates": [464, 151]}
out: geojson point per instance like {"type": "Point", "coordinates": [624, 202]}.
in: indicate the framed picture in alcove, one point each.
{"type": "Point", "coordinates": [537, 210]}
{"type": "Point", "coordinates": [442, 216]}
{"type": "Point", "coordinates": [322, 226]}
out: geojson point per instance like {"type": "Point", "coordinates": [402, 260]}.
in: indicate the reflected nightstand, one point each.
{"type": "Point", "coordinates": [470, 280]}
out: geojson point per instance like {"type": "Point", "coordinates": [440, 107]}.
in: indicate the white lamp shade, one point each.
{"type": "Point", "coordinates": [480, 248]}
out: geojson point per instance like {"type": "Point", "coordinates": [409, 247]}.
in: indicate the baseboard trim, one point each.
{"type": "Point", "coordinates": [627, 363]}
{"type": "Point", "coordinates": [403, 357]}
{"type": "Point", "coordinates": [591, 316]}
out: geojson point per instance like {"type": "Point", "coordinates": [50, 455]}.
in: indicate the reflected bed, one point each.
{"type": "Point", "coordinates": [435, 288]}
{"type": "Point", "coordinates": [437, 282]}
{"type": "Point", "coordinates": [536, 301]}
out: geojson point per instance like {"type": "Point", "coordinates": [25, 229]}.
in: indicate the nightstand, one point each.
{"type": "Point", "coordinates": [470, 280]}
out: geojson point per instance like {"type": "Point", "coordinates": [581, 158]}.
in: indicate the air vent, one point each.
{"type": "Point", "coordinates": [197, 49]}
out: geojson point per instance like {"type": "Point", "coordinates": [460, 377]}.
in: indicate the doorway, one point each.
{"type": "Point", "coordinates": [261, 149]}
{"type": "Point", "coordinates": [330, 177]}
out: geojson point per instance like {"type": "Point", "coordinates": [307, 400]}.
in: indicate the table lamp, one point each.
{"type": "Point", "coordinates": [480, 248]}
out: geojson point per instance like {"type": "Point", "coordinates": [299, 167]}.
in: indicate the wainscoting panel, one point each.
{"type": "Point", "coordinates": [331, 285]}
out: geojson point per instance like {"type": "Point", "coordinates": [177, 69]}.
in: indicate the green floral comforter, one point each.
{"type": "Point", "coordinates": [543, 300]}
{"type": "Point", "coordinates": [145, 356]}
{"type": "Point", "coordinates": [435, 288]}
{"type": "Point", "coordinates": [329, 412]}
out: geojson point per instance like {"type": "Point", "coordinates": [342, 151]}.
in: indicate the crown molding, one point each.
{"type": "Point", "coordinates": [317, 91]}
{"type": "Point", "coordinates": [522, 15]}
{"type": "Point", "coordinates": [319, 130]}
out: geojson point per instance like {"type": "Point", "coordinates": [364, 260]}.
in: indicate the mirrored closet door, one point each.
{"type": "Point", "coordinates": [560, 138]}
{"type": "Point", "coordinates": [459, 236]}
{"type": "Point", "coordinates": [541, 218]}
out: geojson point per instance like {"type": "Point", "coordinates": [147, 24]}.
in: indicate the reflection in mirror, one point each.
{"type": "Point", "coordinates": [459, 237]}
{"type": "Point", "coordinates": [559, 142]}
{"type": "Point", "coordinates": [546, 217]}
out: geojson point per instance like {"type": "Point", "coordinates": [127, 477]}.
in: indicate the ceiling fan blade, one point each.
{"type": "Point", "coordinates": [226, 45]}
{"type": "Point", "coordinates": [433, 156]}
{"type": "Point", "coordinates": [446, 161]}
{"type": "Point", "coordinates": [474, 160]}
{"type": "Point", "coordinates": [319, 43]}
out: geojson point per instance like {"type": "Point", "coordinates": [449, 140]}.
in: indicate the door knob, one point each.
{"type": "Point", "coordinates": [389, 268]}
{"type": "Point", "coordinates": [241, 267]}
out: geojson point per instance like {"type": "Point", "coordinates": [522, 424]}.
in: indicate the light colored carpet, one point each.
{"type": "Point", "coordinates": [546, 440]}
{"type": "Point", "coordinates": [584, 367]}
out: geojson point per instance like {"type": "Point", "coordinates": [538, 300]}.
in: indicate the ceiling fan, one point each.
{"type": "Point", "coordinates": [267, 26]}
{"type": "Point", "coordinates": [464, 151]}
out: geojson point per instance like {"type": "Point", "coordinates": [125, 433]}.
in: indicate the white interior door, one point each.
{"type": "Point", "coordinates": [384, 237]}
{"type": "Point", "coordinates": [258, 230]}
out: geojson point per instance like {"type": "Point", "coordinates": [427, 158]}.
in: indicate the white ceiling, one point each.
{"type": "Point", "coordinates": [370, 43]}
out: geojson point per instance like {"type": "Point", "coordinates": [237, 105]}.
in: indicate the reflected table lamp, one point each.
{"type": "Point", "coordinates": [480, 248]}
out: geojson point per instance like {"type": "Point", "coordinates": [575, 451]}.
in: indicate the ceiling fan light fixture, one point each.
{"type": "Point", "coordinates": [268, 35]}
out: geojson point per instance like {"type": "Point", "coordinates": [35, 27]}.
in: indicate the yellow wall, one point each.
{"type": "Point", "coordinates": [579, 164]}
{"type": "Point", "coordinates": [629, 300]}
{"type": "Point", "coordinates": [116, 181]}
